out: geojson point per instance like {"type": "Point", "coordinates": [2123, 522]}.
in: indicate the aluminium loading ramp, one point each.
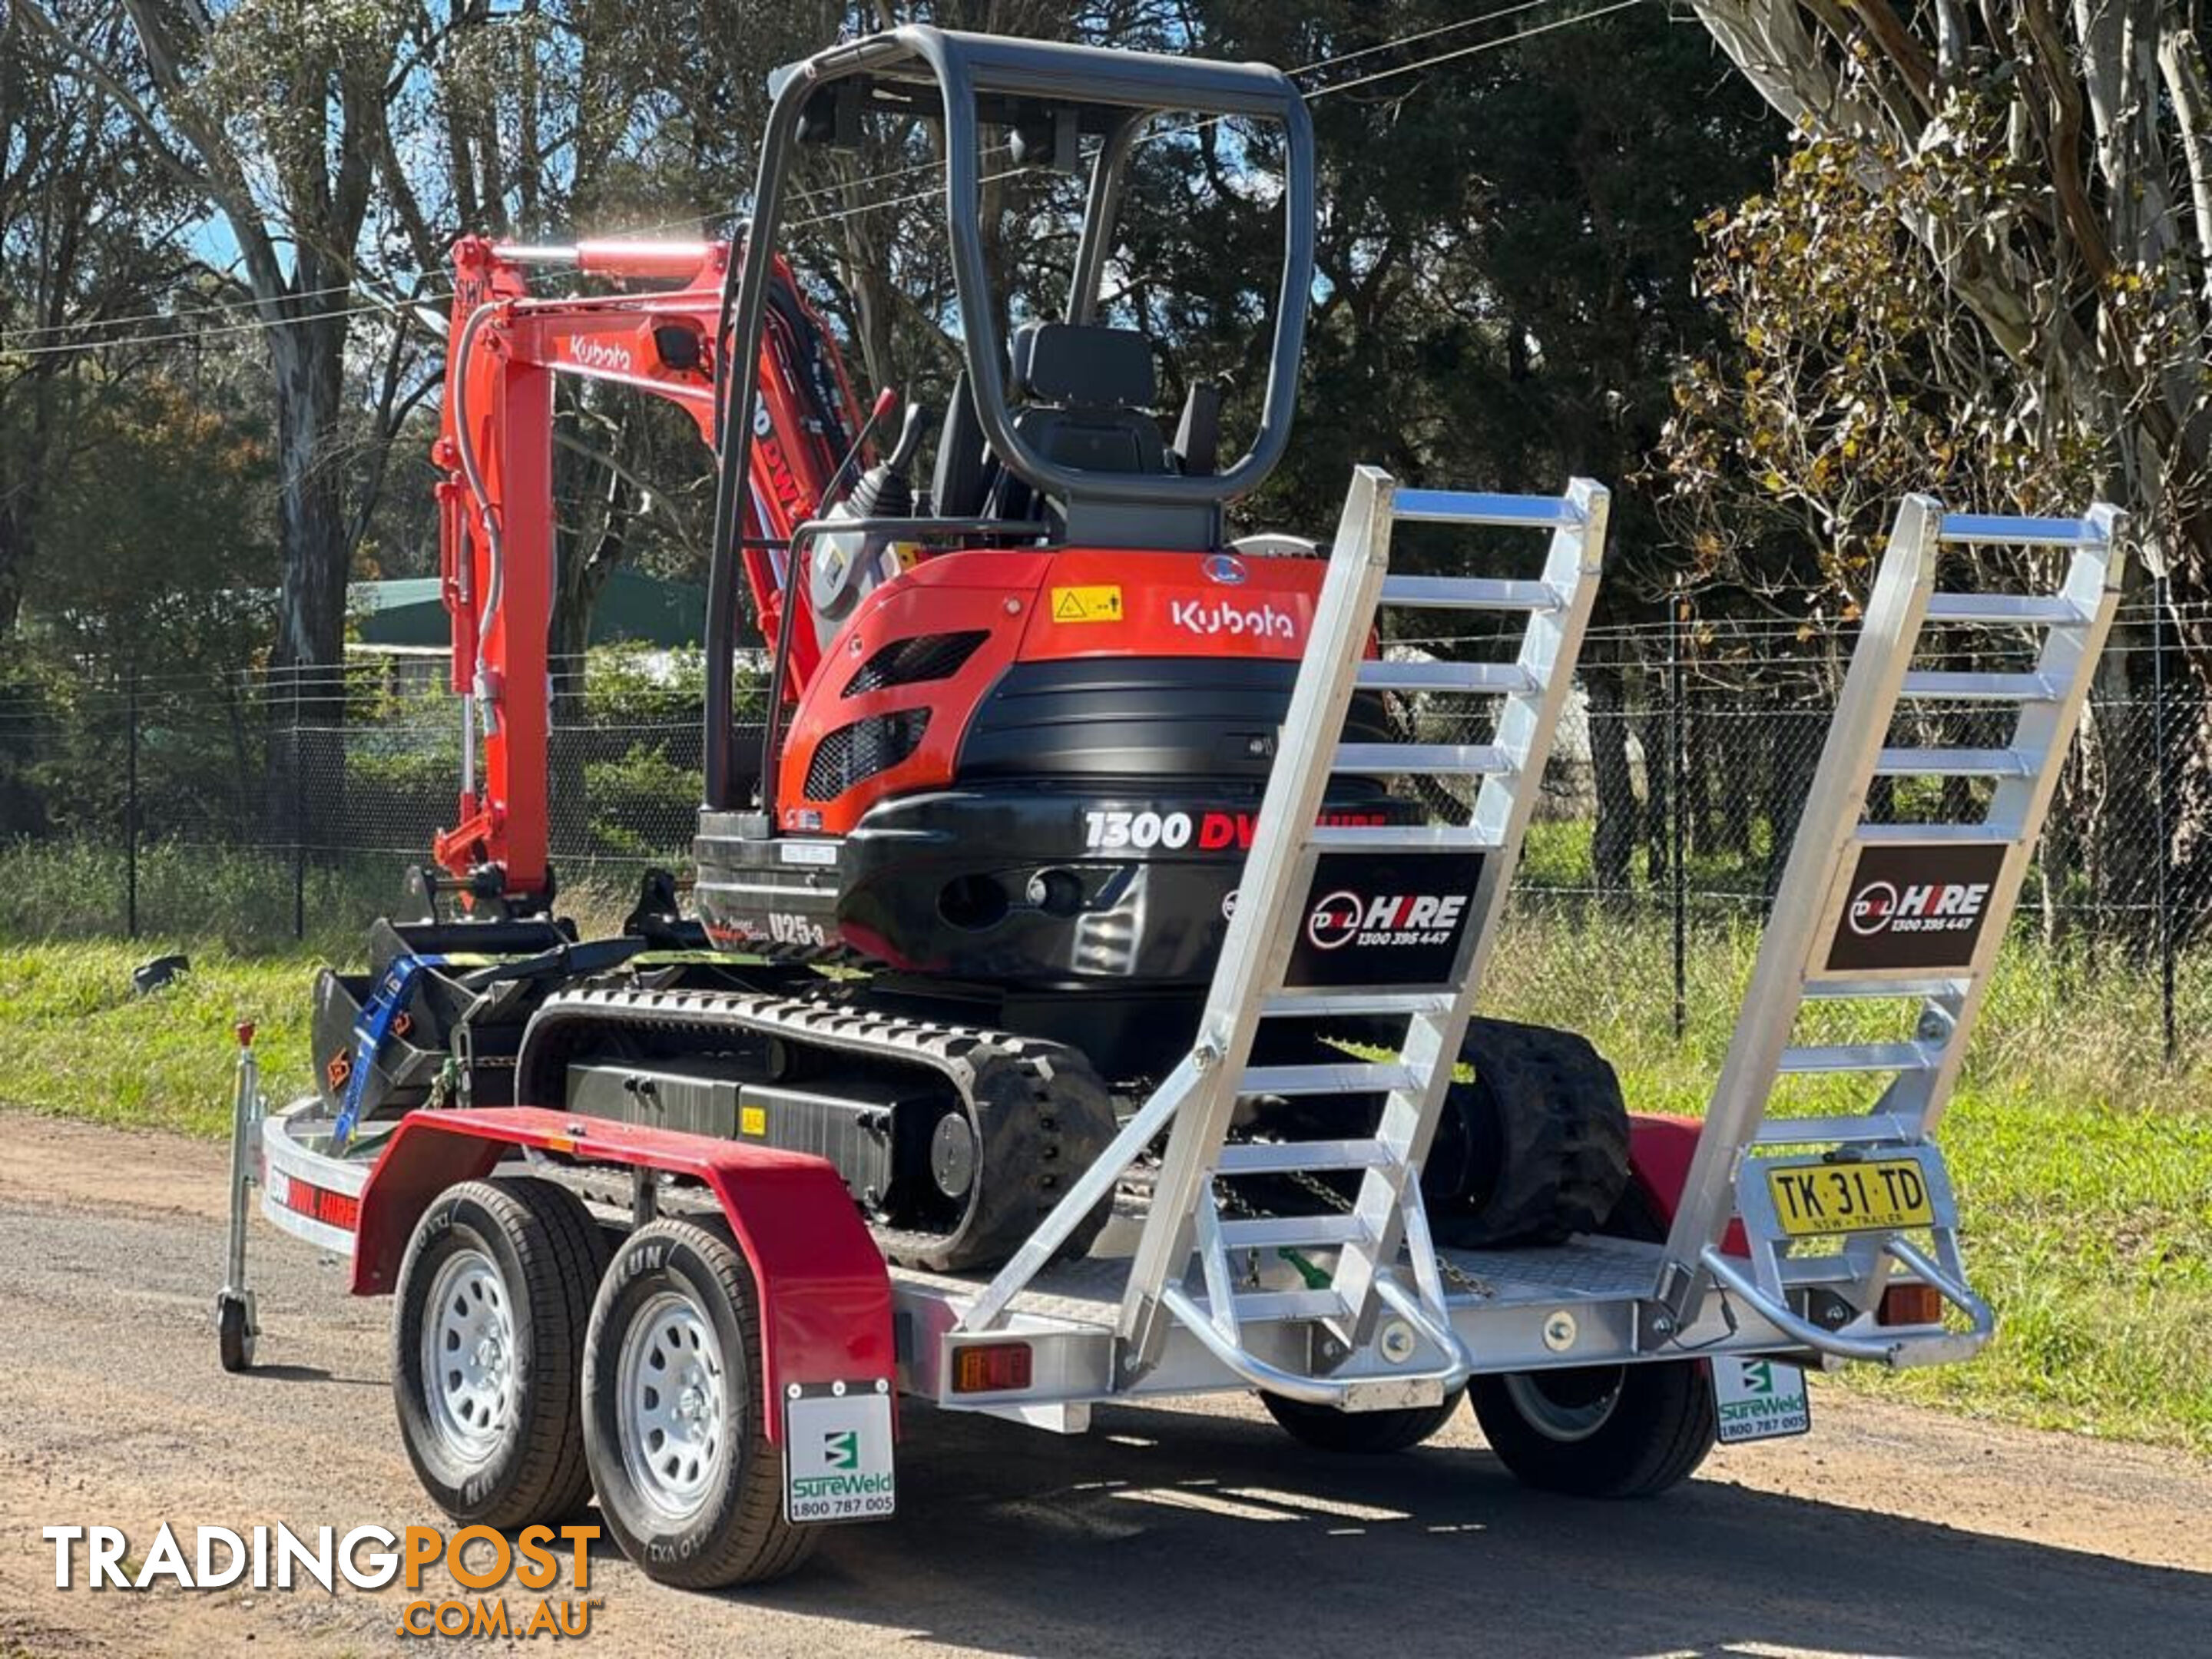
{"type": "Point", "coordinates": [1350, 1303]}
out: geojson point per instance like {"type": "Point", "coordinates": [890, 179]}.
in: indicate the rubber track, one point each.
{"type": "Point", "coordinates": [1043, 1116]}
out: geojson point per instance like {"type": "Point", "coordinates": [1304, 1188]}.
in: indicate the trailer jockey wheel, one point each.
{"type": "Point", "coordinates": [234, 1332]}
{"type": "Point", "coordinates": [675, 1423]}
{"type": "Point", "coordinates": [1602, 1430]}
{"type": "Point", "coordinates": [486, 1342]}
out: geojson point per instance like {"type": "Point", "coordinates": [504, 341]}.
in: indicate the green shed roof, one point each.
{"type": "Point", "coordinates": [632, 606]}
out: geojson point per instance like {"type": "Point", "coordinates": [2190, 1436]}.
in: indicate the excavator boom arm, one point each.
{"type": "Point", "coordinates": [495, 509]}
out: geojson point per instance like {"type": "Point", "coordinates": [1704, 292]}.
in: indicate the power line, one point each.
{"type": "Point", "coordinates": [1314, 97]}
{"type": "Point", "coordinates": [1521, 7]}
{"type": "Point", "coordinates": [253, 326]}
{"type": "Point", "coordinates": [1479, 47]}
{"type": "Point", "coordinates": [811, 193]}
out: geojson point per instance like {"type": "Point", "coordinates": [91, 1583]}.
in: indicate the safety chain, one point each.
{"type": "Point", "coordinates": [1233, 1203]}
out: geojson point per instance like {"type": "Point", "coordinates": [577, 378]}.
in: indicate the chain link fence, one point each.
{"type": "Point", "coordinates": [279, 808]}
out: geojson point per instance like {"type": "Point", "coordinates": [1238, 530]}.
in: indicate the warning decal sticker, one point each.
{"type": "Point", "coordinates": [1100, 604]}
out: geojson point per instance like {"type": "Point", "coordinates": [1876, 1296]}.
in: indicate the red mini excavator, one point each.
{"type": "Point", "coordinates": [1021, 709]}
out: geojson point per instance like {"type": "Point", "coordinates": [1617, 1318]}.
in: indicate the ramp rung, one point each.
{"type": "Point", "coordinates": [1470, 593]}
{"type": "Point", "coordinates": [1294, 1156]}
{"type": "Point", "coordinates": [1963, 527]}
{"type": "Point", "coordinates": [1484, 677]}
{"type": "Point", "coordinates": [1422, 759]}
{"type": "Point", "coordinates": [1941, 685]}
{"type": "Point", "coordinates": [1279, 1231]}
{"type": "Point", "coordinates": [1859, 1057]}
{"type": "Point", "coordinates": [1317, 1005]}
{"type": "Point", "coordinates": [2000, 610]}
{"type": "Point", "coordinates": [1953, 763]}
{"type": "Point", "coordinates": [1836, 990]}
{"type": "Point", "coordinates": [1949, 835]}
{"type": "Point", "coordinates": [1400, 838]}
{"type": "Point", "coordinates": [1884, 1128]}
{"type": "Point", "coordinates": [1350, 1078]}
{"type": "Point", "coordinates": [1467, 507]}
{"type": "Point", "coordinates": [1272, 1307]}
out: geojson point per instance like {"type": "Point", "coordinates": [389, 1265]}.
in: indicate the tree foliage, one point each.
{"type": "Point", "coordinates": [1847, 380]}
{"type": "Point", "coordinates": [2055, 165]}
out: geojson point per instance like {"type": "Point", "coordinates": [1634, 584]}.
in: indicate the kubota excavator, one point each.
{"type": "Point", "coordinates": [1020, 714]}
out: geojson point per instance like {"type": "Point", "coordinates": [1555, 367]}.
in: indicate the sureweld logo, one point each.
{"type": "Point", "coordinates": [369, 1557]}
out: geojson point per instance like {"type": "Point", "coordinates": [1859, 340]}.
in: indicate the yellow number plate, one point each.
{"type": "Point", "coordinates": [1881, 1194]}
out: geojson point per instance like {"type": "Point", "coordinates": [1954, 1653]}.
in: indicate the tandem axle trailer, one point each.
{"type": "Point", "coordinates": [703, 1330]}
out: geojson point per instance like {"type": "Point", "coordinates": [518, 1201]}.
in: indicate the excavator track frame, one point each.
{"type": "Point", "coordinates": [1038, 1109]}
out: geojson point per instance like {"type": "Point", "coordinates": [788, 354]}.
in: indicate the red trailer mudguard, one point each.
{"type": "Point", "coordinates": [825, 1298]}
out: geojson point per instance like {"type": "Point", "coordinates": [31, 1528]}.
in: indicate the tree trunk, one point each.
{"type": "Point", "coordinates": [307, 359]}
{"type": "Point", "coordinates": [14, 557]}
{"type": "Point", "coordinates": [1794, 744]}
{"type": "Point", "coordinates": [589, 554]}
{"type": "Point", "coordinates": [1612, 841]}
{"type": "Point", "coordinates": [1656, 733]}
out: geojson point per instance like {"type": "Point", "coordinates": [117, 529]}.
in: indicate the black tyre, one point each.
{"type": "Point", "coordinates": [1602, 1430]}
{"type": "Point", "coordinates": [1365, 1433]}
{"type": "Point", "coordinates": [233, 1334]}
{"type": "Point", "coordinates": [1535, 1148]}
{"type": "Point", "coordinates": [675, 1423]}
{"type": "Point", "coordinates": [487, 1350]}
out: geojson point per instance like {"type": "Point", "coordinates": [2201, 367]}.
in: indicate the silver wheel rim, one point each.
{"type": "Point", "coordinates": [1558, 1420]}
{"type": "Point", "coordinates": [468, 1357]}
{"type": "Point", "coordinates": [671, 1405]}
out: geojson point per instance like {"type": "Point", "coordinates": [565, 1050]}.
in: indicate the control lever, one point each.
{"type": "Point", "coordinates": [847, 564]}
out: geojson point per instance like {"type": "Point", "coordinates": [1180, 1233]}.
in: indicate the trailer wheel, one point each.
{"type": "Point", "coordinates": [1602, 1430]}
{"type": "Point", "coordinates": [675, 1423]}
{"type": "Point", "coordinates": [1327, 1429]}
{"type": "Point", "coordinates": [234, 1333]}
{"type": "Point", "coordinates": [487, 1338]}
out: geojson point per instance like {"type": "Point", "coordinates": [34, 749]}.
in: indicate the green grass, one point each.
{"type": "Point", "coordinates": [80, 1044]}
{"type": "Point", "coordinates": [2084, 1167]}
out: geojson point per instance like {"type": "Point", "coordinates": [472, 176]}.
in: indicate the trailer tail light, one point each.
{"type": "Point", "coordinates": [992, 1367]}
{"type": "Point", "coordinates": [1911, 1305]}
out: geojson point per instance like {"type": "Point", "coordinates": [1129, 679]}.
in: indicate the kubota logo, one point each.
{"type": "Point", "coordinates": [1260, 622]}
{"type": "Point", "coordinates": [1345, 917]}
{"type": "Point", "coordinates": [1941, 907]}
{"type": "Point", "coordinates": [588, 353]}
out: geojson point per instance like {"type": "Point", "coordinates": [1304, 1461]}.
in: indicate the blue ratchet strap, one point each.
{"type": "Point", "coordinates": [370, 1028]}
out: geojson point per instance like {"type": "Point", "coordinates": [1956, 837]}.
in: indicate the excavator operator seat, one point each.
{"type": "Point", "coordinates": [1089, 391]}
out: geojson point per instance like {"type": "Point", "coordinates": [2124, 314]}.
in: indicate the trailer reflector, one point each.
{"type": "Point", "coordinates": [992, 1367]}
{"type": "Point", "coordinates": [1911, 1305]}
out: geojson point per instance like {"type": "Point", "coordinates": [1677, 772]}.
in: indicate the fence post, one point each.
{"type": "Point", "coordinates": [1677, 763]}
{"type": "Point", "coordinates": [131, 808]}
{"type": "Point", "coordinates": [2162, 796]}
